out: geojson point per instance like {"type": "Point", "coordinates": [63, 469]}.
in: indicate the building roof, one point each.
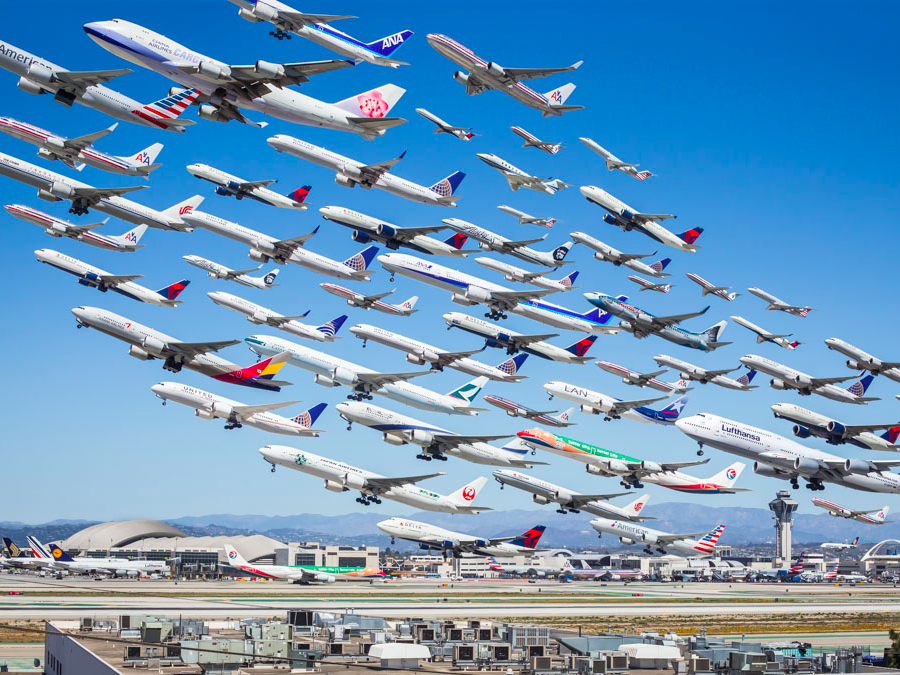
{"type": "Point", "coordinates": [118, 533]}
{"type": "Point", "coordinates": [399, 650]}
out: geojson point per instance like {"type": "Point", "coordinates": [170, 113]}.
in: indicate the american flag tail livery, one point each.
{"type": "Point", "coordinates": [330, 328]}
{"type": "Point", "coordinates": [309, 417]}
{"type": "Point", "coordinates": [530, 538]}
{"type": "Point", "coordinates": [494, 565]}
{"type": "Point", "coordinates": [164, 113]}
{"type": "Point", "coordinates": [643, 175]}
{"type": "Point", "coordinates": [707, 543]}
{"type": "Point", "coordinates": [798, 564]}
{"type": "Point", "coordinates": [832, 573]}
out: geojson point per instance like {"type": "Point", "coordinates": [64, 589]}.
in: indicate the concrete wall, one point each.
{"type": "Point", "coordinates": [65, 656]}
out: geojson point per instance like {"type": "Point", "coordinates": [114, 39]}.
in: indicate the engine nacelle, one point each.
{"type": "Point", "coordinates": [769, 471]}
{"type": "Point", "coordinates": [346, 181]}
{"type": "Point", "coordinates": [214, 71]}
{"type": "Point", "coordinates": [777, 384]}
{"type": "Point", "coordinates": [484, 246]}
{"type": "Point", "coordinates": [617, 466]}
{"type": "Point", "coordinates": [334, 486]}
{"type": "Point", "coordinates": [56, 229]}
{"type": "Point", "coordinates": [461, 77]}
{"type": "Point", "coordinates": [325, 381]}
{"type": "Point", "coordinates": [416, 359]}
{"type": "Point", "coordinates": [344, 376]}
{"type": "Point", "coordinates": [223, 191]}
{"type": "Point", "coordinates": [385, 230]}
{"type": "Point", "coordinates": [61, 190]}
{"type": "Point", "coordinates": [800, 431]}
{"type": "Point", "coordinates": [538, 499]}
{"type": "Point", "coordinates": [139, 353]}
{"type": "Point", "coordinates": [38, 72]}
{"type": "Point", "coordinates": [258, 318]}
{"type": "Point", "coordinates": [648, 538]}
{"type": "Point", "coordinates": [325, 578]}
{"type": "Point", "coordinates": [90, 279]}
{"type": "Point", "coordinates": [563, 497]}
{"type": "Point", "coordinates": [462, 300]}
{"type": "Point", "coordinates": [257, 255]}
{"type": "Point", "coordinates": [354, 480]}
{"type": "Point", "coordinates": [854, 364]}
{"type": "Point", "coordinates": [626, 541]}
{"type": "Point", "coordinates": [653, 467]}
{"type": "Point", "coordinates": [610, 219]}
{"type": "Point", "coordinates": [174, 90]}
{"type": "Point", "coordinates": [153, 346]}
{"type": "Point", "coordinates": [265, 12]}
{"type": "Point", "coordinates": [477, 294]}
{"type": "Point", "coordinates": [836, 428]}
{"type": "Point", "coordinates": [626, 325]}
{"type": "Point", "coordinates": [247, 15]}
{"type": "Point", "coordinates": [392, 439]}
{"type": "Point", "coordinates": [47, 196]}
{"type": "Point", "coordinates": [205, 414]}
{"type": "Point", "coordinates": [590, 468]}
{"type": "Point", "coordinates": [806, 465]}
{"type": "Point", "coordinates": [626, 214]}
{"type": "Point", "coordinates": [49, 155]}
{"type": "Point", "coordinates": [496, 69]}
{"type": "Point", "coordinates": [685, 376]}
{"type": "Point", "coordinates": [422, 437]}
{"type": "Point", "coordinates": [588, 410]}
{"type": "Point", "coordinates": [859, 466]}
{"type": "Point", "coordinates": [272, 71]}
{"type": "Point", "coordinates": [31, 87]}
{"type": "Point", "coordinates": [360, 237]}
{"type": "Point", "coordinates": [210, 112]}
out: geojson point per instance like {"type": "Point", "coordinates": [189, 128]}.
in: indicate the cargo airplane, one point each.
{"type": "Point", "coordinates": [229, 185]}
{"type": "Point", "coordinates": [808, 423]}
{"type": "Point", "coordinates": [434, 538]}
{"type": "Point", "coordinates": [56, 227]}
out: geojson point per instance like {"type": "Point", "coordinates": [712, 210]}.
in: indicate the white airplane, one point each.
{"type": "Point", "coordinates": [75, 153]}
{"type": "Point", "coordinates": [120, 567]}
{"type": "Point", "coordinates": [217, 271]}
{"type": "Point", "coordinates": [840, 546]}
{"type": "Point", "coordinates": [646, 285]}
{"type": "Point", "coordinates": [372, 487]}
{"type": "Point", "coordinates": [694, 544]}
{"type": "Point", "coordinates": [639, 379]}
{"type": "Point", "coordinates": [808, 423]}
{"type": "Point", "coordinates": [350, 173]}
{"type": "Point", "coordinates": [209, 406]}
{"type": "Point", "coordinates": [762, 335]}
{"type": "Point", "coordinates": [484, 75]}
{"type": "Point", "coordinates": [521, 179]}
{"type": "Point", "coordinates": [491, 241]}
{"type": "Point", "coordinates": [38, 76]}
{"type": "Point", "coordinates": [784, 378]}
{"type": "Point", "coordinates": [607, 253]}
{"type": "Point", "coordinates": [534, 569]}
{"type": "Point", "coordinates": [545, 417]}
{"type": "Point", "coordinates": [262, 86]}
{"type": "Point", "coordinates": [613, 163]}
{"type": "Point", "coordinates": [718, 291]}
{"type": "Point", "coordinates": [355, 299]}
{"type": "Point", "coordinates": [432, 537]}
{"type": "Point", "coordinates": [366, 229]}
{"type": "Point", "coordinates": [870, 517]}
{"type": "Point", "coordinates": [594, 403]}
{"type": "Point", "coordinates": [780, 305]}
{"type": "Point", "coordinates": [532, 141]}
{"type": "Point", "coordinates": [103, 281]}
{"type": "Point", "coordinates": [296, 574]}
{"type": "Point", "coordinates": [259, 315]}
{"type": "Point", "coordinates": [779, 457]}
{"type": "Point", "coordinates": [623, 216]}
{"type": "Point", "coordinates": [522, 276]}
{"type": "Point", "coordinates": [442, 127]}
{"type": "Point", "coordinates": [229, 185]}
{"type": "Point", "coordinates": [860, 360]}
{"type": "Point", "coordinates": [525, 218]}
{"type": "Point", "coordinates": [288, 20]}
{"type": "Point", "coordinates": [264, 247]}
{"type": "Point", "coordinates": [56, 227]}
{"type": "Point", "coordinates": [331, 371]}
{"type": "Point", "coordinates": [688, 371]}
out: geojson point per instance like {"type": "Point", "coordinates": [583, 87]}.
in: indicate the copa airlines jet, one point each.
{"type": "Point", "coordinates": [613, 163]}
{"type": "Point", "coordinates": [490, 241]}
{"type": "Point", "coordinates": [327, 332]}
{"type": "Point", "coordinates": [692, 545]}
{"type": "Point", "coordinates": [532, 141]}
{"type": "Point", "coordinates": [236, 414]}
{"type": "Point", "coordinates": [522, 276]}
{"type": "Point", "coordinates": [689, 371]}
{"type": "Point", "coordinates": [784, 377]}
{"type": "Point", "coordinates": [432, 537]}
{"type": "Point", "coordinates": [808, 423]}
{"type": "Point", "coordinates": [218, 271]}
{"type": "Point", "coordinates": [632, 261]}
{"type": "Point", "coordinates": [374, 301]}
{"type": "Point", "coordinates": [860, 360]}
{"type": "Point", "coordinates": [638, 379]}
{"type": "Point", "coordinates": [762, 335]}
{"type": "Point", "coordinates": [229, 185]}
{"type": "Point", "coordinates": [780, 305]}
{"type": "Point", "coordinates": [516, 178]}
{"type": "Point", "coordinates": [545, 417]}
{"type": "Point", "coordinates": [442, 127]}
{"type": "Point", "coordinates": [56, 227]}
{"type": "Point", "coordinates": [870, 517]}
{"type": "Point", "coordinates": [526, 218]}
{"type": "Point", "coordinates": [595, 403]}
{"type": "Point", "coordinates": [366, 229]}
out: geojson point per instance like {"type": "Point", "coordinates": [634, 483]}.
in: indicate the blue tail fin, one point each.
{"type": "Point", "coordinates": [59, 555]}
{"type": "Point", "coordinates": [299, 195]}
{"type": "Point", "coordinates": [511, 366]}
{"type": "Point", "coordinates": [173, 291]}
{"type": "Point", "coordinates": [622, 298]}
{"type": "Point", "coordinates": [361, 260]}
{"type": "Point", "coordinates": [456, 240]}
{"type": "Point", "coordinates": [673, 410]}
{"type": "Point", "coordinates": [581, 347]}
{"type": "Point", "coordinates": [530, 538]}
{"type": "Point", "coordinates": [269, 279]}
{"type": "Point", "coordinates": [859, 388]}
{"type": "Point", "coordinates": [308, 418]}
{"type": "Point", "coordinates": [330, 328]}
{"type": "Point", "coordinates": [447, 186]}
{"type": "Point", "coordinates": [891, 435]}
{"type": "Point", "coordinates": [746, 378]}
{"type": "Point", "coordinates": [597, 315]}
{"type": "Point", "coordinates": [560, 252]}
{"type": "Point", "coordinates": [569, 279]}
{"type": "Point", "coordinates": [386, 45]}
{"type": "Point", "coordinates": [660, 265]}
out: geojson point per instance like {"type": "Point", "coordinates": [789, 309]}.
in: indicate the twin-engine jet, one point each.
{"type": "Point", "coordinates": [87, 234]}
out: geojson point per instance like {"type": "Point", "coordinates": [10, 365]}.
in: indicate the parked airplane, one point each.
{"type": "Point", "coordinates": [532, 141]}
{"type": "Point", "coordinates": [527, 570]}
{"type": "Point", "coordinates": [646, 285]}
{"type": "Point", "coordinates": [840, 546]}
{"type": "Point", "coordinates": [860, 360]}
{"type": "Point", "coordinates": [585, 571]}
{"type": "Point", "coordinates": [120, 567]}
{"type": "Point", "coordinates": [780, 305]}
{"type": "Point", "coordinates": [366, 229]}
{"type": "Point", "coordinates": [637, 379]}
{"type": "Point", "coordinates": [613, 163]}
{"type": "Point", "coordinates": [442, 127]}
{"type": "Point", "coordinates": [355, 299]}
{"type": "Point", "coordinates": [784, 378]}
{"type": "Point", "coordinates": [688, 371]}
{"type": "Point", "coordinates": [216, 271]}
{"type": "Point", "coordinates": [56, 227]}
{"type": "Point", "coordinates": [808, 423]}
{"type": "Point", "coordinates": [259, 315]}
{"type": "Point", "coordinates": [607, 253]}
{"type": "Point", "coordinates": [526, 219]}
{"type": "Point", "coordinates": [521, 179]}
{"type": "Point", "coordinates": [229, 185]}
{"type": "Point", "coordinates": [545, 417]}
{"type": "Point", "coordinates": [718, 291]}
{"type": "Point", "coordinates": [692, 545]}
{"type": "Point", "coordinates": [491, 241]}
{"type": "Point", "coordinates": [484, 75]}
{"type": "Point", "coordinates": [522, 276]}
{"type": "Point", "coordinates": [594, 403]}
{"type": "Point", "coordinates": [877, 517]}
{"type": "Point", "coordinates": [16, 558]}
{"type": "Point", "coordinates": [762, 335]}
{"type": "Point", "coordinates": [432, 537]}
{"type": "Point", "coordinates": [296, 574]}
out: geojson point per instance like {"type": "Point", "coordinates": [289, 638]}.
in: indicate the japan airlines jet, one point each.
{"type": "Point", "coordinates": [521, 179]}
{"type": "Point", "coordinates": [784, 378]}
{"type": "Point", "coordinates": [613, 163]}
{"type": "Point", "coordinates": [434, 538]}
{"type": "Point", "coordinates": [355, 299]}
{"type": "Point", "coordinates": [632, 261]}
{"type": "Point", "coordinates": [525, 218]}
{"type": "Point", "coordinates": [56, 227]}
{"type": "Point", "coordinates": [877, 517]}
{"type": "Point", "coordinates": [623, 216]}
{"type": "Point", "coordinates": [545, 417]}
{"type": "Point", "coordinates": [638, 379]}
{"type": "Point", "coordinates": [441, 127]}
{"type": "Point", "coordinates": [260, 315]}
{"type": "Point", "coordinates": [646, 285]}
{"type": "Point", "coordinates": [490, 241]}
{"type": "Point", "coordinates": [147, 344]}
{"type": "Point", "coordinates": [217, 271]}
{"type": "Point", "coordinates": [808, 423]}
{"type": "Point", "coordinates": [780, 305]}
{"type": "Point", "coordinates": [350, 173]}
{"type": "Point", "coordinates": [689, 371]}
{"type": "Point", "coordinates": [517, 274]}
{"type": "Point", "coordinates": [366, 229]}
{"type": "Point", "coordinates": [860, 360]}
{"type": "Point", "coordinates": [718, 291]}
{"type": "Point", "coordinates": [103, 281]}
{"type": "Point", "coordinates": [484, 75]}
{"type": "Point", "coordinates": [695, 544]}
{"type": "Point", "coordinates": [119, 567]}
{"type": "Point", "coordinates": [372, 487]}
{"type": "Point", "coordinates": [762, 335]}
{"type": "Point", "coordinates": [532, 141]}
{"type": "Point", "coordinates": [228, 185]}
{"type": "Point", "coordinates": [594, 403]}
{"type": "Point", "coordinates": [38, 76]}
{"type": "Point", "coordinates": [840, 546]}
{"type": "Point", "coordinates": [236, 414]}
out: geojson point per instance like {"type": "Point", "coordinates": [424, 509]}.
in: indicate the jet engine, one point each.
{"type": "Point", "coordinates": [325, 578]}
{"type": "Point", "coordinates": [360, 237]}
{"type": "Point", "coordinates": [588, 410]}
{"type": "Point", "coordinates": [258, 256]}
{"type": "Point", "coordinates": [416, 359]}
{"type": "Point", "coordinates": [204, 414]}
{"type": "Point", "coordinates": [653, 467]}
{"type": "Point", "coordinates": [836, 428]}
{"type": "Point", "coordinates": [56, 230]}
{"type": "Point", "coordinates": [334, 486]}
{"type": "Point", "coordinates": [859, 466]}
{"type": "Point", "coordinates": [806, 465]}
{"type": "Point", "coordinates": [248, 15]}
{"type": "Point", "coordinates": [258, 318]}
{"type": "Point", "coordinates": [38, 72]}
{"type": "Point", "coordinates": [344, 376]}
{"type": "Point", "coordinates": [385, 230]}
{"type": "Point", "coordinates": [265, 12]}
{"type": "Point", "coordinates": [496, 69]}
{"type": "Point", "coordinates": [61, 190]}
{"type": "Point", "coordinates": [617, 466]}
{"type": "Point", "coordinates": [563, 497]}
{"type": "Point", "coordinates": [461, 77]}
{"type": "Point", "coordinates": [31, 87]}
{"type": "Point", "coordinates": [210, 112]}
{"type": "Point", "coordinates": [854, 364]}
{"type": "Point", "coordinates": [269, 70]}
{"type": "Point", "coordinates": [341, 179]}
{"type": "Point", "coordinates": [174, 90]}
{"type": "Point", "coordinates": [769, 471]}
{"type": "Point", "coordinates": [214, 71]}
{"type": "Point", "coordinates": [610, 219]}
{"type": "Point", "coordinates": [392, 439]}
{"type": "Point", "coordinates": [538, 499]}
{"type": "Point", "coordinates": [626, 541]}
{"type": "Point", "coordinates": [325, 381]}
{"type": "Point", "coordinates": [138, 353]}
{"type": "Point", "coordinates": [477, 294]}
{"type": "Point", "coordinates": [590, 468]}
{"type": "Point", "coordinates": [354, 480]}
{"type": "Point", "coordinates": [153, 345]}
{"type": "Point", "coordinates": [462, 300]}
{"type": "Point", "coordinates": [777, 384]}
{"type": "Point", "coordinates": [800, 431]}
{"type": "Point", "coordinates": [422, 437]}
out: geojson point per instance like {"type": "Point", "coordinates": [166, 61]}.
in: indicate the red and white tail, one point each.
{"type": "Point", "coordinates": [707, 543]}
{"type": "Point", "coordinates": [165, 112]}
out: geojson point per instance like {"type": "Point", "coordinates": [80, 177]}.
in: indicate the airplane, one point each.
{"type": "Point", "coordinates": [545, 417]}
{"type": "Point", "coordinates": [264, 247]}
{"type": "Point", "coordinates": [442, 127]}
{"type": "Point", "coordinates": [435, 442]}
{"type": "Point", "coordinates": [688, 371]}
{"type": "Point", "coordinates": [103, 281]}
{"type": "Point", "coordinates": [236, 414]}
{"type": "Point", "coordinates": [534, 570]}
{"type": "Point", "coordinates": [641, 323]}
{"type": "Point", "coordinates": [259, 315]}
{"type": "Point", "coordinates": [490, 241]}
{"type": "Point", "coordinates": [469, 290]}
{"type": "Point", "coordinates": [120, 567]}
{"type": "Point", "coordinates": [367, 302]}
{"type": "Point", "coordinates": [851, 578]}
{"type": "Point", "coordinates": [296, 574]}
{"type": "Point", "coordinates": [147, 344]}
{"type": "Point", "coordinates": [314, 27]}
{"type": "Point", "coordinates": [860, 360]}
{"type": "Point", "coordinates": [594, 403]}
{"type": "Point", "coordinates": [784, 378]}
{"type": "Point", "coordinates": [839, 546]}
{"type": "Point", "coordinates": [532, 141]}
{"type": "Point", "coordinates": [217, 271]}
{"type": "Point", "coordinates": [879, 516]}
{"type": "Point", "coordinates": [75, 153]}
{"type": "Point", "coordinates": [779, 457]}
{"type": "Point", "coordinates": [521, 179]}
{"type": "Point", "coordinates": [607, 253]}
{"type": "Point", "coordinates": [372, 487]}
{"type": "Point", "coordinates": [786, 573]}
{"type": "Point", "coordinates": [695, 544]}
{"type": "Point", "coordinates": [229, 185]}
{"type": "Point", "coordinates": [762, 335]}
{"type": "Point", "coordinates": [522, 276]}
{"type": "Point", "coordinates": [39, 76]}
{"type": "Point", "coordinates": [808, 423]}
{"type": "Point", "coordinates": [638, 379]}
{"type": "Point", "coordinates": [366, 229]}
{"type": "Point", "coordinates": [718, 291]}
{"type": "Point", "coordinates": [600, 573]}
{"type": "Point", "coordinates": [613, 163]}
{"type": "Point", "coordinates": [350, 173]}
{"type": "Point", "coordinates": [422, 354]}
{"type": "Point", "coordinates": [526, 219]}
{"type": "Point", "coordinates": [646, 285]}
{"type": "Point", "coordinates": [623, 216]}
{"type": "Point", "coordinates": [263, 86]}
{"type": "Point", "coordinates": [432, 537]}
{"type": "Point", "coordinates": [780, 305]}
{"type": "Point", "coordinates": [17, 558]}
{"type": "Point", "coordinates": [513, 342]}
{"type": "Point", "coordinates": [56, 227]}
{"type": "Point", "coordinates": [331, 371]}
{"type": "Point", "coordinates": [484, 75]}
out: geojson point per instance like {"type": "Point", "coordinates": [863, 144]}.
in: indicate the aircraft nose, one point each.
{"type": "Point", "coordinates": [158, 389]}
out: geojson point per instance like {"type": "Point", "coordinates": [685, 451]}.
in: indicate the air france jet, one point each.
{"type": "Point", "coordinates": [870, 517]}
{"type": "Point", "coordinates": [56, 227]}
{"type": "Point", "coordinates": [525, 218]}
{"type": "Point", "coordinates": [689, 371]}
{"type": "Point", "coordinates": [490, 241]}
{"type": "Point", "coordinates": [623, 216]}
{"type": "Point", "coordinates": [372, 487]}
{"type": "Point", "coordinates": [762, 335]}
{"type": "Point", "coordinates": [860, 360]}
{"type": "Point", "coordinates": [641, 323]}
{"type": "Point", "coordinates": [366, 229]}
{"type": "Point", "coordinates": [217, 271]}
{"type": "Point", "coordinates": [532, 141]}
{"type": "Point", "coordinates": [229, 185]}
{"type": "Point", "coordinates": [355, 299]}
{"type": "Point", "coordinates": [639, 379]}
{"type": "Point", "coordinates": [607, 253]}
{"type": "Point", "coordinates": [708, 287]}
{"type": "Point", "coordinates": [259, 315]}
{"type": "Point", "coordinates": [545, 417]}
{"type": "Point", "coordinates": [209, 406]}
{"type": "Point", "coordinates": [695, 544]}
{"type": "Point", "coordinates": [613, 163]}
{"type": "Point", "coordinates": [38, 76]}
{"type": "Point", "coordinates": [780, 305]}
{"type": "Point", "coordinates": [434, 538]}
{"type": "Point", "coordinates": [784, 378]}
{"type": "Point", "coordinates": [484, 75]}
{"type": "Point", "coordinates": [442, 127]}
{"type": "Point", "coordinates": [595, 403]}
{"type": "Point", "coordinates": [521, 179]}
{"type": "Point", "coordinates": [808, 423]}
{"type": "Point", "coordinates": [646, 285]}
{"type": "Point", "coordinates": [522, 276]}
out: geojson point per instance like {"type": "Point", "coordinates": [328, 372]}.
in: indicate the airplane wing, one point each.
{"type": "Point", "coordinates": [879, 464]}
{"type": "Point", "coordinates": [247, 410]}
{"type": "Point", "coordinates": [276, 321]}
{"type": "Point", "coordinates": [197, 348]}
{"type": "Point", "coordinates": [385, 483]}
{"type": "Point", "coordinates": [252, 184]}
{"type": "Point", "coordinates": [446, 358]}
{"type": "Point", "coordinates": [665, 539]}
{"type": "Point", "coordinates": [853, 429]}
{"type": "Point", "coordinates": [675, 466]}
{"type": "Point", "coordinates": [372, 172]}
{"type": "Point", "coordinates": [475, 86]}
{"type": "Point", "coordinates": [300, 19]}
{"type": "Point", "coordinates": [678, 318]}
{"type": "Point", "coordinates": [528, 339]}
{"type": "Point", "coordinates": [516, 180]}
{"type": "Point", "coordinates": [377, 296]}
{"type": "Point", "coordinates": [290, 245]}
{"type": "Point", "coordinates": [625, 257]}
{"type": "Point", "coordinates": [81, 142]}
{"type": "Point", "coordinates": [452, 440]}
{"type": "Point", "coordinates": [724, 371]}
{"type": "Point", "coordinates": [625, 406]}
{"type": "Point", "coordinates": [618, 164]}
{"type": "Point", "coordinates": [117, 279]}
{"type": "Point", "coordinates": [410, 232]}
{"type": "Point", "coordinates": [78, 229]}
{"type": "Point", "coordinates": [288, 73]}
{"type": "Point", "coordinates": [94, 195]}
{"type": "Point", "coordinates": [645, 377]}
{"type": "Point", "coordinates": [82, 79]}
{"type": "Point", "coordinates": [580, 500]}
{"type": "Point", "coordinates": [516, 296]}
{"type": "Point", "coordinates": [381, 379]}
{"type": "Point", "coordinates": [652, 217]}
{"type": "Point", "coordinates": [524, 242]}
{"type": "Point", "coordinates": [237, 273]}
{"type": "Point", "coordinates": [822, 381]}
{"type": "Point", "coordinates": [520, 74]}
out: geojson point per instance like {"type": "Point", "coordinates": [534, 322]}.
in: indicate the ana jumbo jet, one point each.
{"type": "Point", "coordinates": [366, 229]}
{"type": "Point", "coordinates": [708, 287]}
{"type": "Point", "coordinates": [860, 360]}
{"type": "Point", "coordinates": [522, 276]}
{"type": "Point", "coordinates": [259, 315]}
{"type": "Point", "coordinates": [216, 271]}
{"type": "Point", "coordinates": [808, 423]}
{"type": "Point", "coordinates": [355, 299]}
{"type": "Point", "coordinates": [525, 218]}
{"type": "Point", "coordinates": [638, 379]}
{"type": "Point", "coordinates": [632, 261]}
{"type": "Point", "coordinates": [442, 127]}
{"type": "Point", "coordinates": [870, 517]}
{"type": "Point", "coordinates": [780, 305]}
{"type": "Point", "coordinates": [762, 335]}
{"type": "Point", "coordinates": [613, 163]}
{"type": "Point", "coordinates": [521, 179]}
{"type": "Point", "coordinates": [56, 227]}
{"type": "Point", "coordinates": [689, 371]}
{"type": "Point", "coordinates": [595, 403]}
{"type": "Point", "coordinates": [484, 75]}
{"type": "Point", "coordinates": [784, 378]}
{"type": "Point", "coordinates": [545, 417]}
{"type": "Point", "coordinates": [229, 185]}
{"type": "Point", "coordinates": [532, 141]}
{"type": "Point", "coordinates": [434, 538]}
{"type": "Point", "coordinates": [695, 544]}
{"type": "Point", "coordinates": [490, 241]}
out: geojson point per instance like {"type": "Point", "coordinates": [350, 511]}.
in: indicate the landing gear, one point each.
{"type": "Point", "coordinates": [364, 344]}
{"type": "Point", "coordinates": [392, 541]}
{"type": "Point", "coordinates": [360, 396]}
{"type": "Point", "coordinates": [233, 425]}
{"type": "Point", "coordinates": [427, 458]}
{"type": "Point", "coordinates": [495, 314]}
{"type": "Point", "coordinates": [562, 511]}
{"type": "Point", "coordinates": [648, 551]}
{"type": "Point", "coordinates": [794, 484]}
{"type": "Point", "coordinates": [164, 401]}
{"type": "Point", "coordinates": [172, 365]}
{"type": "Point", "coordinates": [392, 277]}
{"type": "Point", "coordinates": [349, 426]}
{"type": "Point", "coordinates": [280, 34]}
{"type": "Point", "coordinates": [79, 207]}
{"type": "Point", "coordinates": [273, 469]}
{"type": "Point", "coordinates": [700, 453]}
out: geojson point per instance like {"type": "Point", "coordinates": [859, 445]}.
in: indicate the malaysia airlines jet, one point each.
{"type": "Point", "coordinates": [694, 544]}
{"type": "Point", "coordinates": [595, 403]}
{"type": "Point", "coordinates": [762, 335]}
{"type": "Point", "coordinates": [870, 517]}
{"type": "Point", "coordinates": [632, 261]}
{"type": "Point", "coordinates": [808, 423]}
{"type": "Point", "coordinates": [491, 241]}
{"type": "Point", "coordinates": [780, 305]}
{"type": "Point", "coordinates": [217, 271]}
{"type": "Point", "coordinates": [442, 127]}
{"type": "Point", "coordinates": [521, 179]}
{"type": "Point", "coordinates": [613, 163]}
{"type": "Point", "coordinates": [259, 315]}
{"type": "Point", "coordinates": [432, 537]}
{"type": "Point", "coordinates": [860, 360]}
{"type": "Point", "coordinates": [229, 185]}
{"type": "Point", "coordinates": [57, 228]}
{"type": "Point", "coordinates": [784, 378]}
{"type": "Point", "coordinates": [366, 229]}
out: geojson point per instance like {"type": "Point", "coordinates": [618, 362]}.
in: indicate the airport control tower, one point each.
{"type": "Point", "coordinates": [783, 506]}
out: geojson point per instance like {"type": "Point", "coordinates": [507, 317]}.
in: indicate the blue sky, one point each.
{"type": "Point", "coordinates": [771, 125]}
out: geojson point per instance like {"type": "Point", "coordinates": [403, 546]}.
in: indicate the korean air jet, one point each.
{"type": "Point", "coordinates": [87, 234]}
{"type": "Point", "coordinates": [695, 544]}
{"type": "Point", "coordinates": [229, 185]}
{"type": "Point", "coordinates": [456, 544]}
{"type": "Point", "coordinates": [595, 403]}
{"type": "Point", "coordinates": [217, 271]}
